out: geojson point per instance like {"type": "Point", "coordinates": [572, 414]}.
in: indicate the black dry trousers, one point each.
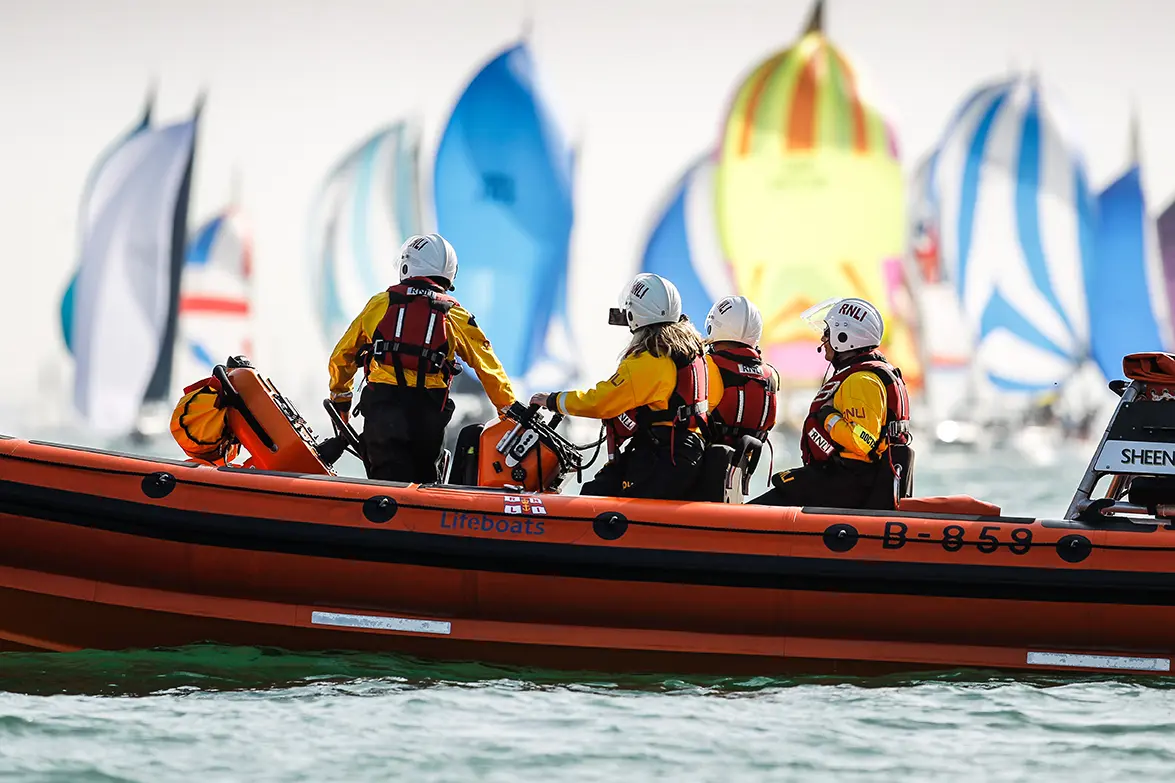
{"type": "Point", "coordinates": [404, 431]}
{"type": "Point", "coordinates": [653, 465]}
{"type": "Point", "coordinates": [837, 483]}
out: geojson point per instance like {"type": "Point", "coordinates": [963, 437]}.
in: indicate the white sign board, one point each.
{"type": "Point", "coordinates": [1134, 456]}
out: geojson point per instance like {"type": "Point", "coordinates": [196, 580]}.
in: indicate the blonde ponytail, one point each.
{"type": "Point", "coordinates": [679, 341]}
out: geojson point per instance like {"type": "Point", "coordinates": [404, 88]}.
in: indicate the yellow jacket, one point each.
{"type": "Point", "coordinates": [715, 381]}
{"type": "Point", "coordinates": [640, 380]}
{"type": "Point", "coordinates": [466, 340]}
{"type": "Point", "coordinates": [860, 417]}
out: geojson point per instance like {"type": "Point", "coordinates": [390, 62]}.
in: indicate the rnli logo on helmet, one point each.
{"type": "Point", "coordinates": [420, 244]}
{"type": "Point", "coordinates": [853, 311]}
{"type": "Point", "coordinates": [639, 290]}
{"type": "Point", "coordinates": [725, 305]}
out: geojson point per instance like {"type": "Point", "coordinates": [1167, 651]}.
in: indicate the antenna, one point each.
{"type": "Point", "coordinates": [201, 98]}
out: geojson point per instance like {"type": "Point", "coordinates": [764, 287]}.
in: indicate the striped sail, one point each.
{"type": "Point", "coordinates": [214, 306]}
{"type": "Point", "coordinates": [684, 245]}
{"type": "Point", "coordinates": [127, 291]}
{"type": "Point", "coordinates": [368, 205]}
{"type": "Point", "coordinates": [1017, 226]}
{"type": "Point", "coordinates": [810, 202]}
{"type": "Point", "coordinates": [503, 189]}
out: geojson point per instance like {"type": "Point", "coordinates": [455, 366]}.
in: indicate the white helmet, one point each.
{"type": "Point", "coordinates": [734, 318]}
{"type": "Point", "coordinates": [651, 299]}
{"type": "Point", "coordinates": [852, 323]}
{"type": "Point", "coordinates": [428, 255]}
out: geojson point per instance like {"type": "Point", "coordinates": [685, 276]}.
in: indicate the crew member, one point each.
{"type": "Point", "coordinates": [654, 405]}
{"type": "Point", "coordinates": [860, 411]}
{"type": "Point", "coordinates": [406, 339]}
{"type": "Point", "coordinates": [742, 385]}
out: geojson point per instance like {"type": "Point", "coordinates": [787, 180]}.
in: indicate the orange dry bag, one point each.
{"type": "Point", "coordinates": [199, 424]}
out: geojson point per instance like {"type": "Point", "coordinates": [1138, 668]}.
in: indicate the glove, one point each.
{"type": "Point", "coordinates": [343, 407]}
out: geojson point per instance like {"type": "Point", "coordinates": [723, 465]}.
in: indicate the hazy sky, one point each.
{"type": "Point", "coordinates": [642, 83]}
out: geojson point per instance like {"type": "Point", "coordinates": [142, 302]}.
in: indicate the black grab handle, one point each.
{"type": "Point", "coordinates": [233, 397]}
{"type": "Point", "coordinates": [343, 428]}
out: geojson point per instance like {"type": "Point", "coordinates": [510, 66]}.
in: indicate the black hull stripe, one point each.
{"type": "Point", "coordinates": [600, 561]}
{"type": "Point", "coordinates": [376, 485]}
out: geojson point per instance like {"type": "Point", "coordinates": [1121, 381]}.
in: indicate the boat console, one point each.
{"type": "Point", "coordinates": [1137, 450]}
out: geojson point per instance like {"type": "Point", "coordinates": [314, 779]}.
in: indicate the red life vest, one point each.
{"type": "Point", "coordinates": [414, 332]}
{"type": "Point", "coordinates": [816, 445]}
{"type": "Point", "coordinates": [687, 406]}
{"type": "Point", "coordinates": [748, 400]}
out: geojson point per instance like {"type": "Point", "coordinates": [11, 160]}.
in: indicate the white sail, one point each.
{"type": "Point", "coordinates": [123, 301]}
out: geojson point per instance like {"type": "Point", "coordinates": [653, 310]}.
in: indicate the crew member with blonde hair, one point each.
{"type": "Point", "coordinates": [654, 405]}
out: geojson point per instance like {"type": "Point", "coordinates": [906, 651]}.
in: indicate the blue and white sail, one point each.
{"type": "Point", "coordinates": [1129, 311]}
{"type": "Point", "coordinates": [1017, 224]}
{"type": "Point", "coordinates": [127, 293]}
{"type": "Point", "coordinates": [367, 206]}
{"type": "Point", "coordinates": [215, 298]}
{"type": "Point", "coordinates": [503, 190]}
{"type": "Point", "coordinates": [67, 298]}
{"type": "Point", "coordinates": [684, 245]}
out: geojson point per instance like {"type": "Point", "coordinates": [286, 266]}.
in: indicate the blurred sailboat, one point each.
{"type": "Point", "coordinates": [120, 315]}
{"type": "Point", "coordinates": [216, 292]}
{"type": "Point", "coordinates": [367, 206]}
{"type": "Point", "coordinates": [1018, 243]}
{"type": "Point", "coordinates": [684, 245]}
{"type": "Point", "coordinates": [810, 202]}
{"type": "Point", "coordinates": [945, 341]}
{"type": "Point", "coordinates": [502, 186]}
{"type": "Point", "coordinates": [1130, 310]}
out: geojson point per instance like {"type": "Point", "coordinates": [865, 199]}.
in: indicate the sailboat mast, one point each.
{"type": "Point", "coordinates": [159, 388]}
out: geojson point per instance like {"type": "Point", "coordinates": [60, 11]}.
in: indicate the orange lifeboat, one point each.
{"type": "Point", "coordinates": [105, 550]}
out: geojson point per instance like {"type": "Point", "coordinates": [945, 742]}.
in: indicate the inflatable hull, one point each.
{"type": "Point", "coordinates": [99, 550]}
